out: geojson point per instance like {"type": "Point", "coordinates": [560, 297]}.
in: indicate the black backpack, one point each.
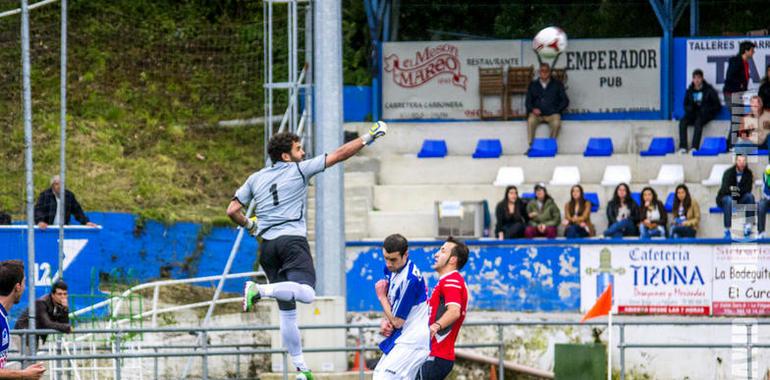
{"type": "Point", "coordinates": [4, 218]}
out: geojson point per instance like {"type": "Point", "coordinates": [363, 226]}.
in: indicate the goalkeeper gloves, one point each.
{"type": "Point", "coordinates": [376, 131]}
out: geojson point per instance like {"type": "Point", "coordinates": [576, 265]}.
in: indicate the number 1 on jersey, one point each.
{"type": "Point", "coordinates": [274, 191]}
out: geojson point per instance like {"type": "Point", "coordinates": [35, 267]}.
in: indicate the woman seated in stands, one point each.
{"type": "Point", "coordinates": [653, 215]}
{"type": "Point", "coordinates": [511, 215]}
{"type": "Point", "coordinates": [754, 128]}
{"type": "Point", "coordinates": [622, 214]}
{"type": "Point", "coordinates": [543, 215]}
{"type": "Point", "coordinates": [685, 213]}
{"type": "Point", "coordinates": [577, 215]}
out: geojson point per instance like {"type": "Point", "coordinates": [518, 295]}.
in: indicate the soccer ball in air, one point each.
{"type": "Point", "coordinates": [549, 42]}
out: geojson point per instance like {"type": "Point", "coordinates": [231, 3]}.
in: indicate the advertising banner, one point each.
{"type": "Point", "coordinates": [652, 279]}
{"type": "Point", "coordinates": [712, 55]}
{"type": "Point", "coordinates": [741, 280]}
{"type": "Point", "coordinates": [612, 75]}
{"type": "Point", "coordinates": [440, 79]}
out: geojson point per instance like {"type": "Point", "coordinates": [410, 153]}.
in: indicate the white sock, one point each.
{"type": "Point", "coordinates": [288, 291]}
{"type": "Point", "coordinates": [291, 338]}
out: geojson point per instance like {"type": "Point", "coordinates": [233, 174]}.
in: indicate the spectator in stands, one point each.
{"type": "Point", "coordinates": [653, 215]}
{"type": "Point", "coordinates": [754, 127]}
{"type": "Point", "coordinates": [577, 215]}
{"type": "Point", "coordinates": [11, 289]}
{"type": "Point", "coordinates": [737, 182]}
{"type": "Point", "coordinates": [701, 105]}
{"type": "Point", "coordinates": [764, 203]}
{"type": "Point", "coordinates": [543, 215]}
{"type": "Point", "coordinates": [622, 214]}
{"type": "Point", "coordinates": [546, 100]}
{"type": "Point", "coordinates": [686, 214]}
{"type": "Point", "coordinates": [511, 215]}
{"type": "Point", "coordinates": [764, 89]}
{"type": "Point", "coordinates": [51, 311]}
{"type": "Point", "coordinates": [48, 203]}
{"type": "Point", "coordinates": [737, 80]}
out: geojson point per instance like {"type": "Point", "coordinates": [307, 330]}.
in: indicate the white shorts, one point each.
{"type": "Point", "coordinates": [402, 363]}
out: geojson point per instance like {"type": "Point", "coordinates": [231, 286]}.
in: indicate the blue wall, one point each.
{"type": "Point", "coordinates": [520, 278]}
{"type": "Point", "coordinates": [132, 252]}
{"type": "Point", "coordinates": [357, 103]}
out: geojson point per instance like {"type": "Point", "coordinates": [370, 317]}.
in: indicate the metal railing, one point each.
{"type": "Point", "coordinates": [116, 303]}
{"type": "Point", "coordinates": [117, 351]}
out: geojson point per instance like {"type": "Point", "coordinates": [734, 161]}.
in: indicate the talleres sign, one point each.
{"type": "Point", "coordinates": [440, 79]}
{"type": "Point", "coordinates": [712, 56]}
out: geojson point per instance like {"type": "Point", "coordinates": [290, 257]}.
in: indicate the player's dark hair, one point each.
{"type": "Point", "coordinates": [279, 144]}
{"type": "Point", "coordinates": [627, 200]}
{"type": "Point", "coordinates": [60, 284]}
{"type": "Point", "coordinates": [395, 243]}
{"type": "Point", "coordinates": [460, 251]}
{"type": "Point", "coordinates": [11, 273]}
{"type": "Point", "coordinates": [687, 202]}
{"type": "Point", "coordinates": [697, 72]}
{"type": "Point", "coordinates": [745, 46]}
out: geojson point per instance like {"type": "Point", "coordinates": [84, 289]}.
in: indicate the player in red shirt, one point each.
{"type": "Point", "coordinates": [448, 304]}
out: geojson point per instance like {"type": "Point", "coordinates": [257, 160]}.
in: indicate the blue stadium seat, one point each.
{"type": "Point", "coordinates": [491, 148]}
{"type": "Point", "coordinates": [712, 146]}
{"type": "Point", "coordinates": [659, 146]}
{"type": "Point", "coordinates": [715, 210]}
{"type": "Point", "coordinates": [433, 149]}
{"type": "Point", "coordinates": [669, 205]}
{"type": "Point", "coordinates": [637, 197]}
{"type": "Point", "coordinates": [543, 147]}
{"type": "Point", "coordinates": [528, 195]}
{"type": "Point", "coordinates": [598, 147]}
{"type": "Point", "coordinates": [594, 199]}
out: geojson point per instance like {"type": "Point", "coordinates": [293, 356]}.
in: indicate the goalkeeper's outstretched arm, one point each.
{"type": "Point", "coordinates": [349, 149]}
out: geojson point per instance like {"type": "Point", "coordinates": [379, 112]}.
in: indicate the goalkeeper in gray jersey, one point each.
{"type": "Point", "coordinates": [280, 193]}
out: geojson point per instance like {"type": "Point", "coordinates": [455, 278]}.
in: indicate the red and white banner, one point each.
{"type": "Point", "coordinates": [741, 280]}
{"type": "Point", "coordinates": [440, 79]}
{"type": "Point", "coordinates": [648, 279]}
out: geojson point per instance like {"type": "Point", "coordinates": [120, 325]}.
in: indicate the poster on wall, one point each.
{"type": "Point", "coordinates": [612, 75]}
{"type": "Point", "coordinates": [741, 280]}
{"type": "Point", "coordinates": [712, 55]}
{"type": "Point", "coordinates": [440, 79]}
{"type": "Point", "coordinates": [652, 279]}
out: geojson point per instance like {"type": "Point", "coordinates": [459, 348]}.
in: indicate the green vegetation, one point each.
{"type": "Point", "coordinates": [149, 79]}
{"type": "Point", "coordinates": [147, 83]}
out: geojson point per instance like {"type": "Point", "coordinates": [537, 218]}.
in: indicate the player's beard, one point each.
{"type": "Point", "coordinates": [438, 267]}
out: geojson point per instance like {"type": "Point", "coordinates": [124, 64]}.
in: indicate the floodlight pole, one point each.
{"type": "Point", "coordinates": [63, 137]}
{"type": "Point", "coordinates": [330, 208]}
{"type": "Point", "coordinates": [27, 106]}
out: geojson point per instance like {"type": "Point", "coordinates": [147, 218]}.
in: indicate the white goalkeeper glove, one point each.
{"type": "Point", "coordinates": [251, 226]}
{"type": "Point", "coordinates": [376, 131]}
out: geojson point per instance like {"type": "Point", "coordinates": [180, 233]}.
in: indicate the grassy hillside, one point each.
{"type": "Point", "coordinates": [147, 82]}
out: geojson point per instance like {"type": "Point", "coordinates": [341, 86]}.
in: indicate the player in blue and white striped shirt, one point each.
{"type": "Point", "coordinates": [11, 289]}
{"type": "Point", "coordinates": [403, 295]}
